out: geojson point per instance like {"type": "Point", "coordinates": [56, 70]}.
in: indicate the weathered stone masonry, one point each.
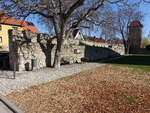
{"type": "Point", "coordinates": [28, 51]}
{"type": "Point", "coordinates": [96, 51]}
{"type": "Point", "coordinates": [24, 50]}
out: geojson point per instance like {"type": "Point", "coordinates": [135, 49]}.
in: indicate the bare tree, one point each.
{"type": "Point", "coordinates": [125, 16]}
{"type": "Point", "coordinates": [108, 28]}
{"type": "Point", "coordinates": [64, 15]}
{"type": "Point", "coordinates": [121, 18]}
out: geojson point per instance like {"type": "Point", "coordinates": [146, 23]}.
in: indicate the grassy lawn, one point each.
{"type": "Point", "coordinates": [107, 89]}
{"type": "Point", "coordinates": [134, 61]}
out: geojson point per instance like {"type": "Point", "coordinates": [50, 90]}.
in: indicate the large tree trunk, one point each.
{"type": "Point", "coordinates": [58, 52]}
{"type": "Point", "coordinates": [60, 33]}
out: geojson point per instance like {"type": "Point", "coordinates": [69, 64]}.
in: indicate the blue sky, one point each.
{"type": "Point", "coordinates": [145, 8]}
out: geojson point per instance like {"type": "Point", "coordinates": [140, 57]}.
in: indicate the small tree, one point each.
{"type": "Point", "coordinates": [145, 42]}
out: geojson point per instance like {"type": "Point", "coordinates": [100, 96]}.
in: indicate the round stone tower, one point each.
{"type": "Point", "coordinates": [135, 36]}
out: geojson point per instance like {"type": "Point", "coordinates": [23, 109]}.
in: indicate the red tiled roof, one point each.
{"type": "Point", "coordinates": [4, 15]}
{"type": "Point", "coordinates": [97, 39]}
{"type": "Point", "coordinates": [135, 24]}
{"type": "Point", "coordinates": [29, 27]}
{"type": "Point", "coordinates": [7, 19]}
{"type": "Point", "coordinates": [11, 21]}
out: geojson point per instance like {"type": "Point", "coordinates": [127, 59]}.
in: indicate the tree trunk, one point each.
{"type": "Point", "coordinates": [125, 46]}
{"type": "Point", "coordinates": [60, 33]}
{"type": "Point", "coordinates": [126, 50]}
{"type": "Point", "coordinates": [125, 43]}
{"type": "Point", "coordinates": [58, 52]}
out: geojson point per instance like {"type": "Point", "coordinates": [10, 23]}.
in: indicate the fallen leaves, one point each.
{"type": "Point", "coordinates": [108, 89]}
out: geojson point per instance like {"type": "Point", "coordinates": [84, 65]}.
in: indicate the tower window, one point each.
{"type": "Point", "coordinates": [0, 27]}
{"type": "Point", "coordinates": [15, 28]}
{"type": "Point", "coordinates": [1, 39]}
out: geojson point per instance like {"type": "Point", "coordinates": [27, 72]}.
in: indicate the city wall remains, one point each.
{"type": "Point", "coordinates": [29, 51]}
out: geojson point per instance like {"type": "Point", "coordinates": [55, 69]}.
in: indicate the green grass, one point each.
{"type": "Point", "coordinates": [137, 61]}
{"type": "Point", "coordinates": [130, 99]}
{"type": "Point", "coordinates": [147, 81]}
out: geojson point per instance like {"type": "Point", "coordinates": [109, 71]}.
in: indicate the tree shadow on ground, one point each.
{"type": "Point", "coordinates": [132, 60]}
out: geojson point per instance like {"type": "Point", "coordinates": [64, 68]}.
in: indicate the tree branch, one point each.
{"type": "Point", "coordinates": [73, 7]}
{"type": "Point", "coordinates": [89, 11]}
{"type": "Point", "coordinates": [147, 1]}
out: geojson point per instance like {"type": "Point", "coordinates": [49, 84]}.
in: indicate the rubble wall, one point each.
{"type": "Point", "coordinates": [93, 53]}
{"type": "Point", "coordinates": [29, 51]}
{"type": "Point", "coordinates": [25, 52]}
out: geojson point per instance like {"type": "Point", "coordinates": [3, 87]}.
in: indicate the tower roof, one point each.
{"type": "Point", "coordinates": [135, 23]}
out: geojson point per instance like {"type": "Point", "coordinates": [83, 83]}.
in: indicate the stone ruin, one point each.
{"type": "Point", "coordinates": [24, 50]}
{"type": "Point", "coordinates": [29, 51]}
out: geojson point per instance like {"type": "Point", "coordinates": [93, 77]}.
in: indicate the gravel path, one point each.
{"type": "Point", "coordinates": [27, 79]}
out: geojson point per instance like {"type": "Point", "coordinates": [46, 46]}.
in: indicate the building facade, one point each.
{"type": "Point", "coordinates": [8, 22]}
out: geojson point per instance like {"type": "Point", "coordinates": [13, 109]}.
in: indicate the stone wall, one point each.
{"type": "Point", "coordinates": [118, 48]}
{"type": "Point", "coordinates": [28, 51]}
{"type": "Point", "coordinates": [143, 51]}
{"type": "Point", "coordinates": [72, 52]}
{"type": "Point", "coordinates": [25, 52]}
{"type": "Point", "coordinates": [97, 53]}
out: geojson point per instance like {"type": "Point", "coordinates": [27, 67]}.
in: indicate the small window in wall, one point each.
{"type": "Point", "coordinates": [0, 27]}
{"type": "Point", "coordinates": [110, 46]}
{"type": "Point", "coordinates": [77, 51]}
{"type": "Point", "coordinates": [15, 28]}
{"type": "Point", "coordinates": [30, 24]}
{"type": "Point", "coordinates": [1, 39]}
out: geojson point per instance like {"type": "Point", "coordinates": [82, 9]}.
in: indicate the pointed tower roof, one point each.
{"type": "Point", "coordinates": [136, 23]}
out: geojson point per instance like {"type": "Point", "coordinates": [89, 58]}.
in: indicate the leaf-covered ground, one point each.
{"type": "Point", "coordinates": [108, 89]}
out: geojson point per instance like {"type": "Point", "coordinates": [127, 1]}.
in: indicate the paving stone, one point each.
{"type": "Point", "coordinates": [27, 79]}
{"type": "Point", "coordinates": [4, 109]}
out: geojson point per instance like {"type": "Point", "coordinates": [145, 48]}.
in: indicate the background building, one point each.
{"type": "Point", "coordinates": [135, 36]}
{"type": "Point", "coordinates": [8, 22]}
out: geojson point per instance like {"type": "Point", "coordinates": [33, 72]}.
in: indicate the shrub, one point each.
{"type": "Point", "coordinates": [148, 47]}
{"type": "Point", "coordinates": [85, 38]}
{"type": "Point", "coordinates": [145, 41]}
